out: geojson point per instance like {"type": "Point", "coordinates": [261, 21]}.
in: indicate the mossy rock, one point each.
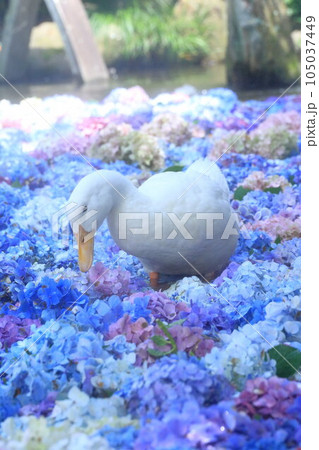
{"type": "Point", "coordinates": [260, 50]}
{"type": "Point", "coordinates": [216, 18]}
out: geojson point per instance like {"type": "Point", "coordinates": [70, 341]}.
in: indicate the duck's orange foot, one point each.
{"type": "Point", "coordinates": [154, 277]}
{"type": "Point", "coordinates": [208, 277]}
{"type": "Point", "coordinates": [161, 282]}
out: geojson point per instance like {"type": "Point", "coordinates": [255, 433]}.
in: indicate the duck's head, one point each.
{"type": "Point", "coordinates": [90, 202]}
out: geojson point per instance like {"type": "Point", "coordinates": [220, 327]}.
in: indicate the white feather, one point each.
{"type": "Point", "coordinates": [202, 188]}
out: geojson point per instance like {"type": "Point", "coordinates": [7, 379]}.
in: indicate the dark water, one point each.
{"type": "Point", "coordinates": [154, 82]}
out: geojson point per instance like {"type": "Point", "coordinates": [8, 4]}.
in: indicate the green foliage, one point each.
{"type": "Point", "coordinates": [149, 32]}
{"type": "Point", "coordinates": [288, 360]}
{"type": "Point", "coordinates": [273, 190]}
{"type": "Point", "coordinates": [160, 341]}
{"type": "Point", "coordinates": [111, 6]}
{"type": "Point", "coordinates": [175, 168]}
{"type": "Point", "coordinates": [240, 193]}
{"type": "Point", "coordinates": [294, 10]}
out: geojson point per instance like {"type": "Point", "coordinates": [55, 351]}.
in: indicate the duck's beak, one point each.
{"type": "Point", "coordinates": [85, 241]}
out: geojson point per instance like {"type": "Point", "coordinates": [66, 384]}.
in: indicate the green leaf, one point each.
{"type": "Point", "coordinates": [291, 180]}
{"type": "Point", "coordinates": [273, 190]}
{"type": "Point", "coordinates": [288, 360]}
{"type": "Point", "coordinates": [164, 328]}
{"type": "Point", "coordinates": [171, 340]}
{"type": "Point", "coordinates": [278, 240]}
{"type": "Point", "coordinates": [176, 168]}
{"type": "Point", "coordinates": [240, 193]}
{"type": "Point", "coordinates": [159, 340]}
{"type": "Point", "coordinates": [155, 353]}
{"type": "Point", "coordinates": [176, 322]}
{"type": "Point", "coordinates": [16, 184]}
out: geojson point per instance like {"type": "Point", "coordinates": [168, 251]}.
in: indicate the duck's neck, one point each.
{"type": "Point", "coordinates": [119, 185]}
{"type": "Point", "coordinates": [112, 192]}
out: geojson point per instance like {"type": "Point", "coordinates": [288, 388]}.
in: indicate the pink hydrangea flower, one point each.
{"type": "Point", "coordinates": [270, 398]}
{"type": "Point", "coordinates": [289, 120]}
{"type": "Point", "coordinates": [276, 137]}
{"type": "Point", "coordinates": [109, 281]}
{"type": "Point", "coordinates": [108, 142]}
{"type": "Point", "coordinates": [187, 339]}
{"type": "Point", "coordinates": [91, 125]}
{"type": "Point", "coordinates": [169, 127]}
{"type": "Point", "coordinates": [135, 332]}
{"type": "Point", "coordinates": [278, 226]}
{"type": "Point", "coordinates": [133, 95]}
{"type": "Point", "coordinates": [258, 181]}
{"type": "Point", "coordinates": [160, 305]}
{"type": "Point", "coordinates": [120, 141]}
{"type": "Point", "coordinates": [140, 332]}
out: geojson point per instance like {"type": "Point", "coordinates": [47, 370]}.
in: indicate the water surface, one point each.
{"type": "Point", "coordinates": [154, 82]}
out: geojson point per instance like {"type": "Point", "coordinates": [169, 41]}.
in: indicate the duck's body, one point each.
{"type": "Point", "coordinates": [167, 222]}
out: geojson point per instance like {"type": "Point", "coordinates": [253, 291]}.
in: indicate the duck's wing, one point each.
{"type": "Point", "coordinates": [202, 180]}
{"type": "Point", "coordinates": [164, 185]}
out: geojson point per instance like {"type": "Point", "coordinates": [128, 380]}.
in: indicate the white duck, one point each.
{"type": "Point", "coordinates": [176, 223]}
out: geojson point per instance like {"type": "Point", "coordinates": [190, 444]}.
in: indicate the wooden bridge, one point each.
{"type": "Point", "coordinates": [70, 16]}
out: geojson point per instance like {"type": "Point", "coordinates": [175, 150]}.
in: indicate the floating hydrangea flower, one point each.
{"type": "Point", "coordinates": [160, 305]}
{"type": "Point", "coordinates": [275, 143]}
{"type": "Point", "coordinates": [169, 127]}
{"type": "Point", "coordinates": [135, 332]}
{"type": "Point", "coordinates": [171, 383]}
{"type": "Point", "coordinates": [287, 251]}
{"type": "Point", "coordinates": [44, 408]}
{"type": "Point", "coordinates": [182, 338]}
{"type": "Point", "coordinates": [109, 142]}
{"type": "Point", "coordinates": [91, 125]}
{"type": "Point", "coordinates": [289, 121]}
{"type": "Point", "coordinates": [122, 142]}
{"type": "Point", "coordinates": [278, 226]}
{"type": "Point", "coordinates": [268, 398]}
{"type": "Point", "coordinates": [144, 149]}
{"type": "Point", "coordinates": [52, 145]}
{"type": "Point", "coordinates": [13, 329]}
{"type": "Point", "coordinates": [132, 95]}
{"type": "Point", "coordinates": [258, 180]}
{"type": "Point", "coordinates": [109, 281]}
{"type": "Point", "coordinates": [276, 137]}
{"type": "Point", "coordinates": [164, 308]}
{"type": "Point", "coordinates": [125, 367]}
{"type": "Point", "coordinates": [144, 335]}
{"type": "Point", "coordinates": [47, 299]}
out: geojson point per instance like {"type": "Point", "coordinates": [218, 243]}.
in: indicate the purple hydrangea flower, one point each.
{"type": "Point", "coordinates": [13, 329]}
{"type": "Point", "coordinates": [109, 281]}
{"type": "Point", "coordinates": [269, 398]}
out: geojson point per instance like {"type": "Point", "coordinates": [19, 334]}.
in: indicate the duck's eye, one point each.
{"type": "Point", "coordinates": [85, 208]}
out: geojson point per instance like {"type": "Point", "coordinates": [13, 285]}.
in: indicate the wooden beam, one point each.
{"type": "Point", "coordinates": [18, 24]}
{"type": "Point", "coordinates": [85, 59]}
{"type": "Point", "coordinates": [82, 51]}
